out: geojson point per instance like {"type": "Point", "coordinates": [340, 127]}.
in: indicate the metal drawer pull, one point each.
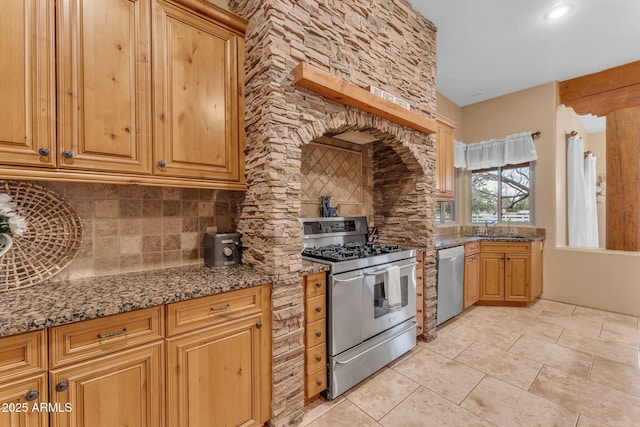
{"type": "Point", "coordinates": [62, 386]}
{"type": "Point", "coordinates": [318, 309]}
{"type": "Point", "coordinates": [113, 334]}
{"type": "Point", "coordinates": [319, 358]}
{"type": "Point", "coordinates": [344, 362]}
{"type": "Point", "coordinates": [319, 382]}
{"type": "Point", "coordinates": [384, 270]}
{"type": "Point", "coordinates": [318, 334]}
{"type": "Point", "coordinates": [318, 284]}
{"type": "Point", "coordinates": [222, 307]}
{"type": "Point", "coordinates": [348, 280]}
{"type": "Point", "coordinates": [31, 395]}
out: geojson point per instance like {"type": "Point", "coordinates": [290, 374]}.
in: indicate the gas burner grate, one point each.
{"type": "Point", "coordinates": [348, 251]}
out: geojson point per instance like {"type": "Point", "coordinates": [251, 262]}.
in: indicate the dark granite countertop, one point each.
{"type": "Point", "coordinates": [451, 240]}
{"type": "Point", "coordinates": [310, 267]}
{"type": "Point", "coordinates": [57, 303]}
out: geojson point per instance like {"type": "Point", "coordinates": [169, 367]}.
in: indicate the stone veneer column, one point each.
{"type": "Point", "coordinates": [384, 43]}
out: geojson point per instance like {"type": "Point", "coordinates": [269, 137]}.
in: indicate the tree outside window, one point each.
{"type": "Point", "coordinates": [503, 193]}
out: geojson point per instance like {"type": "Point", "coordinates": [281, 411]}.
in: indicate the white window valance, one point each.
{"type": "Point", "coordinates": [512, 150]}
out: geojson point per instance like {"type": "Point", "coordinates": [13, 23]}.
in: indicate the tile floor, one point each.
{"type": "Point", "coordinates": [549, 364]}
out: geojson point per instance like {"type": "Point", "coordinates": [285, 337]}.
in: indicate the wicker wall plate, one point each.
{"type": "Point", "coordinates": [49, 244]}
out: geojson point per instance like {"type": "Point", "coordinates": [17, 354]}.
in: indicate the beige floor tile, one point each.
{"type": "Point", "coordinates": [344, 414]}
{"type": "Point", "coordinates": [446, 377]}
{"type": "Point", "coordinates": [406, 356]}
{"type": "Point", "coordinates": [617, 375]}
{"type": "Point", "coordinates": [317, 408]}
{"type": "Point", "coordinates": [545, 331]}
{"type": "Point", "coordinates": [483, 315]}
{"type": "Point", "coordinates": [585, 326]}
{"type": "Point", "coordinates": [488, 334]}
{"type": "Point", "coordinates": [607, 316]}
{"type": "Point", "coordinates": [381, 393]}
{"type": "Point", "coordinates": [551, 354]}
{"type": "Point", "coordinates": [620, 333]}
{"type": "Point", "coordinates": [508, 367]}
{"type": "Point", "coordinates": [450, 324]}
{"type": "Point", "coordinates": [425, 408]}
{"type": "Point", "coordinates": [595, 400]}
{"type": "Point", "coordinates": [449, 345]}
{"type": "Point", "coordinates": [584, 421]}
{"type": "Point", "coordinates": [552, 306]}
{"type": "Point", "coordinates": [506, 405]}
{"type": "Point", "coordinates": [611, 350]}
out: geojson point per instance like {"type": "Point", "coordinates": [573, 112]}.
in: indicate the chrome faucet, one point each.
{"type": "Point", "coordinates": [486, 228]}
{"type": "Point", "coordinates": [509, 231]}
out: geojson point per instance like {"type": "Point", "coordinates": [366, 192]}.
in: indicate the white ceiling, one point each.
{"type": "Point", "coordinates": [488, 48]}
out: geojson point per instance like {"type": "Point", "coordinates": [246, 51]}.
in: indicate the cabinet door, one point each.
{"type": "Point", "coordinates": [492, 277]}
{"type": "Point", "coordinates": [196, 94]}
{"type": "Point", "coordinates": [27, 83]}
{"type": "Point", "coordinates": [104, 85]}
{"type": "Point", "coordinates": [122, 389]}
{"type": "Point", "coordinates": [471, 280]}
{"type": "Point", "coordinates": [517, 276]}
{"type": "Point", "coordinates": [13, 398]}
{"type": "Point", "coordinates": [444, 162]}
{"type": "Point", "coordinates": [213, 376]}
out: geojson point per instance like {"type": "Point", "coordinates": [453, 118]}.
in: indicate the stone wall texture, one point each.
{"type": "Point", "coordinates": [384, 43]}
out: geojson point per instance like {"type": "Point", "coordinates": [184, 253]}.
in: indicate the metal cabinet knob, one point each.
{"type": "Point", "coordinates": [67, 154]}
{"type": "Point", "coordinates": [318, 358]}
{"type": "Point", "coordinates": [259, 325]}
{"type": "Point", "coordinates": [318, 284]}
{"type": "Point", "coordinates": [162, 163]}
{"type": "Point", "coordinates": [62, 386]}
{"type": "Point", "coordinates": [318, 334]}
{"type": "Point", "coordinates": [318, 309]}
{"type": "Point", "coordinates": [43, 151]}
{"type": "Point", "coordinates": [319, 382]}
{"type": "Point", "coordinates": [31, 395]}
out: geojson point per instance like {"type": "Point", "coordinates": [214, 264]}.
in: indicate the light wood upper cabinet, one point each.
{"type": "Point", "coordinates": [27, 83]}
{"type": "Point", "coordinates": [198, 87]}
{"type": "Point", "coordinates": [445, 172]}
{"type": "Point", "coordinates": [104, 97]}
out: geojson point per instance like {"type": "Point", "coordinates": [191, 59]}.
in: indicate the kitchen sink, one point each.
{"type": "Point", "coordinates": [503, 238]}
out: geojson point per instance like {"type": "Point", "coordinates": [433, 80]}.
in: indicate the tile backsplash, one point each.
{"type": "Point", "coordinates": [133, 228]}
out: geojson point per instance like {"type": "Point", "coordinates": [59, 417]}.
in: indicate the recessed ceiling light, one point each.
{"type": "Point", "coordinates": [558, 11]}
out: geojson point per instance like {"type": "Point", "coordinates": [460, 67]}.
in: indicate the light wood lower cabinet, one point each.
{"type": "Point", "coordinates": [23, 380]}
{"type": "Point", "coordinates": [221, 374]}
{"type": "Point", "coordinates": [315, 289]}
{"type": "Point", "coordinates": [510, 272]}
{"type": "Point", "coordinates": [121, 389]}
{"type": "Point", "coordinates": [471, 274]}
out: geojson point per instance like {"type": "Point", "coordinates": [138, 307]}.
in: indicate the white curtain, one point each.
{"type": "Point", "coordinates": [459, 154]}
{"type": "Point", "coordinates": [581, 195]}
{"type": "Point", "coordinates": [511, 150]}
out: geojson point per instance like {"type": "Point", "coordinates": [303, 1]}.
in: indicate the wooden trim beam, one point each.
{"type": "Point", "coordinates": [603, 92]}
{"type": "Point", "coordinates": [346, 93]}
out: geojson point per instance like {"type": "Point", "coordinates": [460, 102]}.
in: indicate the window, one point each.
{"type": "Point", "coordinates": [445, 212]}
{"type": "Point", "coordinates": [503, 193]}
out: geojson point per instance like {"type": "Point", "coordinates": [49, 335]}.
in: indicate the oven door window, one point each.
{"type": "Point", "coordinates": [380, 300]}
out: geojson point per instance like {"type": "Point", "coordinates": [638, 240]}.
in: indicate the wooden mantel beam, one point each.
{"type": "Point", "coordinates": [601, 93]}
{"type": "Point", "coordinates": [346, 93]}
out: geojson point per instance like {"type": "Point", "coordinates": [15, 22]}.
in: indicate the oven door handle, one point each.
{"type": "Point", "coordinates": [384, 270]}
{"type": "Point", "coordinates": [412, 325]}
{"type": "Point", "coordinates": [347, 280]}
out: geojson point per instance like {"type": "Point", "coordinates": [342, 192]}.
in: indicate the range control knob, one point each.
{"type": "Point", "coordinates": [227, 251]}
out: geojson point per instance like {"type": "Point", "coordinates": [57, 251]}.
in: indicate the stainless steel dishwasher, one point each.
{"type": "Point", "coordinates": [450, 283]}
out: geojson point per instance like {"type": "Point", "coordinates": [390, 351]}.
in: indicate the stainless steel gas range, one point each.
{"type": "Point", "coordinates": [371, 298]}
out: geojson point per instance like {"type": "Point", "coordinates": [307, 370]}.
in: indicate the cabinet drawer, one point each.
{"type": "Point", "coordinates": [316, 284]}
{"type": "Point", "coordinates": [316, 358]}
{"type": "Point", "coordinates": [316, 308]}
{"type": "Point", "coordinates": [419, 329]}
{"type": "Point", "coordinates": [197, 313]}
{"type": "Point", "coordinates": [316, 382]}
{"type": "Point", "coordinates": [420, 256]}
{"type": "Point", "coordinates": [22, 354]}
{"type": "Point", "coordinates": [471, 248]}
{"type": "Point", "coordinates": [420, 274]}
{"type": "Point", "coordinates": [90, 338]}
{"type": "Point", "coordinates": [506, 247]}
{"type": "Point", "coordinates": [315, 333]}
